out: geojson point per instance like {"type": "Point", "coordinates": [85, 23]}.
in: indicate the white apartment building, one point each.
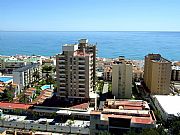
{"type": "Point", "coordinates": [26, 75]}
{"type": "Point", "coordinates": [10, 63]}
{"type": "Point", "coordinates": [122, 79]}
{"type": "Point", "coordinates": [75, 70]}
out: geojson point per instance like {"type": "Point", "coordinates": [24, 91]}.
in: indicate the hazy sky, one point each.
{"type": "Point", "coordinates": [90, 15]}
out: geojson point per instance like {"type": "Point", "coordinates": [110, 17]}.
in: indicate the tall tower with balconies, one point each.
{"type": "Point", "coordinates": [75, 71]}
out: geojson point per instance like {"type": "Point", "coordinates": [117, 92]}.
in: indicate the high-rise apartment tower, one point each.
{"type": "Point", "coordinates": [157, 74]}
{"type": "Point", "coordinates": [75, 69]}
{"type": "Point", "coordinates": [122, 79]}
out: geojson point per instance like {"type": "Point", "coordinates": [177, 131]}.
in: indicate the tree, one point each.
{"type": "Point", "coordinates": [46, 69]}
{"type": "Point", "coordinates": [174, 126]}
{"type": "Point", "coordinates": [104, 133]}
{"type": "Point", "coordinates": [50, 80]}
{"type": "Point", "coordinates": [7, 95]}
{"type": "Point", "coordinates": [24, 99]}
{"type": "Point", "coordinates": [150, 131]}
{"type": "Point", "coordinates": [110, 87]}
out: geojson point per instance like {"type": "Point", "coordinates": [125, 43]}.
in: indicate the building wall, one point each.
{"type": "Point", "coordinates": [75, 72]}
{"type": "Point", "coordinates": [157, 74]}
{"type": "Point", "coordinates": [175, 75]}
{"type": "Point", "coordinates": [163, 113]}
{"type": "Point", "coordinates": [97, 126]}
{"type": "Point", "coordinates": [122, 80]}
{"type": "Point", "coordinates": [25, 77]}
{"type": "Point", "coordinates": [18, 78]}
{"type": "Point", "coordinates": [44, 127]}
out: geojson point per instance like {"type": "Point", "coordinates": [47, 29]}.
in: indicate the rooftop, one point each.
{"type": "Point", "coordinates": [157, 58]}
{"type": "Point", "coordinates": [19, 59]}
{"type": "Point", "coordinates": [175, 67]}
{"type": "Point", "coordinates": [136, 110]}
{"type": "Point", "coordinates": [7, 105]}
{"type": "Point", "coordinates": [25, 68]}
{"type": "Point", "coordinates": [170, 104]}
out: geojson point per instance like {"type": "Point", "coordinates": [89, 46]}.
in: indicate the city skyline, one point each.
{"type": "Point", "coordinates": [89, 15]}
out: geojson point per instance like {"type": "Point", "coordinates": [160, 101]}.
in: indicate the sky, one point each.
{"type": "Point", "coordinates": [90, 15]}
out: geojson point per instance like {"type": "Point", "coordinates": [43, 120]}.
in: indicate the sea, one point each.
{"type": "Point", "coordinates": [110, 44]}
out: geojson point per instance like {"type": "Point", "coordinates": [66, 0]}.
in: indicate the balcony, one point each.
{"type": "Point", "coordinates": [81, 69]}
{"type": "Point", "coordinates": [81, 82]}
{"type": "Point", "coordinates": [61, 69]}
{"type": "Point", "coordinates": [82, 89]}
{"type": "Point", "coordinates": [62, 87]}
{"type": "Point", "coordinates": [82, 93]}
{"type": "Point", "coordinates": [81, 74]}
{"type": "Point", "coordinates": [62, 79]}
{"type": "Point", "coordinates": [81, 65]}
{"type": "Point", "coordinates": [61, 60]}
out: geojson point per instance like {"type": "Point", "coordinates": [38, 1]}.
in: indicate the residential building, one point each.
{"type": "Point", "coordinates": [157, 74]}
{"type": "Point", "coordinates": [25, 76]}
{"type": "Point", "coordinates": [107, 73]}
{"type": "Point", "coordinates": [6, 82]}
{"type": "Point", "coordinates": [23, 125]}
{"type": "Point", "coordinates": [175, 74]}
{"type": "Point", "coordinates": [138, 69]}
{"type": "Point", "coordinates": [168, 106]}
{"type": "Point", "coordinates": [20, 108]}
{"type": "Point", "coordinates": [75, 70]}
{"type": "Point", "coordinates": [89, 48]}
{"type": "Point", "coordinates": [122, 79]}
{"type": "Point", "coordinates": [120, 116]}
{"type": "Point", "coordinates": [10, 63]}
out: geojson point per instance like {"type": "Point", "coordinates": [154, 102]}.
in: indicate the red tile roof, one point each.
{"type": "Point", "coordinates": [7, 105]}
{"type": "Point", "coordinates": [83, 106]}
{"type": "Point", "coordinates": [142, 120]}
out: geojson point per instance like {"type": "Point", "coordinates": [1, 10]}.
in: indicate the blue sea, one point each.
{"type": "Point", "coordinates": [132, 45]}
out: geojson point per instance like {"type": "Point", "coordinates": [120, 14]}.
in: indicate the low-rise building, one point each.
{"type": "Point", "coordinates": [14, 107]}
{"type": "Point", "coordinates": [120, 116]}
{"type": "Point", "coordinates": [10, 87]}
{"type": "Point", "coordinates": [168, 106]}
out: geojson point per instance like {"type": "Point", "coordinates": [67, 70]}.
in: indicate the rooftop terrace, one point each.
{"type": "Point", "coordinates": [136, 110]}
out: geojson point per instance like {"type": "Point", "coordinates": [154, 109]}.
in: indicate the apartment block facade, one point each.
{"type": "Point", "coordinates": [122, 79]}
{"type": "Point", "coordinates": [26, 75]}
{"type": "Point", "coordinates": [157, 74]}
{"type": "Point", "coordinates": [75, 70]}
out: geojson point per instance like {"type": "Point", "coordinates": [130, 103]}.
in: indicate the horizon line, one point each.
{"type": "Point", "coordinates": [88, 31]}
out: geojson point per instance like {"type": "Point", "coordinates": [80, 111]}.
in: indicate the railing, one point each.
{"type": "Point", "coordinates": [60, 128]}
